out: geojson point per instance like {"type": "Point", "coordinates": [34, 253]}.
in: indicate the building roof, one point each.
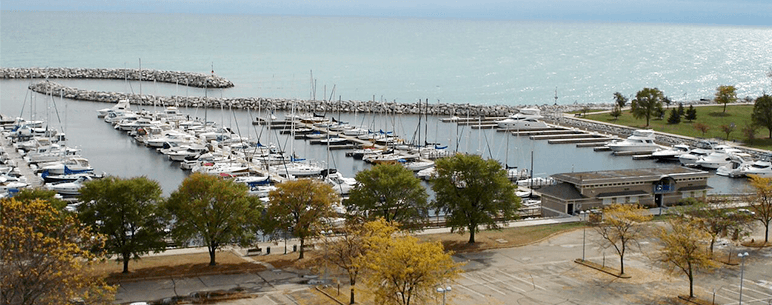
{"type": "Point", "coordinates": [565, 191]}
{"type": "Point", "coordinates": [629, 175]}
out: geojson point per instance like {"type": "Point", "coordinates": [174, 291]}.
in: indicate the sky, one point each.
{"type": "Point", "coordinates": [729, 12]}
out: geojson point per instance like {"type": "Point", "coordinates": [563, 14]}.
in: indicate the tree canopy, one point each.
{"type": "Point", "coordinates": [390, 191]}
{"type": "Point", "coordinates": [126, 211]}
{"type": "Point", "coordinates": [647, 102]}
{"type": "Point", "coordinates": [761, 202]}
{"type": "Point", "coordinates": [217, 210]}
{"type": "Point", "coordinates": [620, 226]}
{"type": "Point", "coordinates": [31, 194]}
{"type": "Point", "coordinates": [682, 248]}
{"type": "Point", "coordinates": [43, 256]}
{"type": "Point", "coordinates": [472, 192]}
{"type": "Point", "coordinates": [402, 270]}
{"type": "Point", "coordinates": [726, 95]}
{"type": "Point", "coordinates": [762, 112]}
{"type": "Point", "coordinates": [301, 206]}
{"type": "Point", "coordinates": [620, 100]}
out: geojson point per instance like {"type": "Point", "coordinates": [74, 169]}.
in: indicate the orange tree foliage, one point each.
{"type": "Point", "coordinates": [621, 225]}
{"type": "Point", "coordinates": [43, 256]}
{"type": "Point", "coordinates": [302, 207]}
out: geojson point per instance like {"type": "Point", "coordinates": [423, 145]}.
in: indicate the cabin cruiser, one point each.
{"type": "Point", "coordinates": [340, 184]}
{"type": "Point", "coordinates": [121, 105]}
{"type": "Point", "coordinates": [417, 165]}
{"type": "Point", "coordinates": [672, 153]}
{"type": "Point", "coordinates": [717, 159]}
{"type": "Point", "coordinates": [701, 149]}
{"type": "Point", "coordinates": [68, 188]}
{"type": "Point", "coordinates": [70, 165]}
{"type": "Point", "coordinates": [296, 169]}
{"type": "Point", "coordinates": [640, 140]}
{"type": "Point", "coordinates": [762, 167]}
{"type": "Point", "coordinates": [526, 118]}
{"type": "Point", "coordinates": [737, 162]}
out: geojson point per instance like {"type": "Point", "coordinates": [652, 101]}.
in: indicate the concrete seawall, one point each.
{"type": "Point", "coordinates": [200, 80]}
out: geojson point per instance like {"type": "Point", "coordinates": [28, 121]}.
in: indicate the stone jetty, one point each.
{"type": "Point", "coordinates": [200, 80]}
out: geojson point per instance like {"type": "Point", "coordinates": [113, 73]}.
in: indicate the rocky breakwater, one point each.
{"type": "Point", "coordinates": [200, 80]}
{"type": "Point", "coordinates": [279, 104]}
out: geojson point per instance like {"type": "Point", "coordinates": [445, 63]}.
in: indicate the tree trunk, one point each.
{"type": "Point", "coordinates": [211, 256]}
{"type": "Point", "coordinates": [352, 295]}
{"type": "Point", "coordinates": [302, 241]}
{"type": "Point", "coordinates": [766, 234]}
{"type": "Point", "coordinates": [472, 227]}
{"type": "Point", "coordinates": [621, 264]}
{"type": "Point", "coordinates": [126, 258]}
{"type": "Point", "coordinates": [691, 282]}
{"type": "Point", "coordinates": [712, 241]}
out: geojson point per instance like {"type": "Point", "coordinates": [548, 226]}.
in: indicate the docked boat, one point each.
{"type": "Point", "coordinates": [672, 153]}
{"type": "Point", "coordinates": [297, 169]}
{"type": "Point", "coordinates": [121, 105]}
{"type": "Point", "coordinates": [68, 188]}
{"type": "Point", "coordinates": [717, 159]}
{"type": "Point", "coordinates": [640, 140]}
{"type": "Point", "coordinates": [525, 119]}
{"type": "Point", "coordinates": [761, 167]}
{"type": "Point", "coordinates": [701, 149]}
{"type": "Point", "coordinates": [340, 184]}
{"type": "Point", "coordinates": [736, 164]}
{"type": "Point", "coordinates": [72, 165]}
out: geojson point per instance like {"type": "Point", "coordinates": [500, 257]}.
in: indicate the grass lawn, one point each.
{"type": "Point", "coordinates": [712, 116]}
{"type": "Point", "coordinates": [506, 238]}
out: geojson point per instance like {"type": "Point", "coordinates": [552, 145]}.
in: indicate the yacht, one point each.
{"type": "Point", "coordinates": [762, 167]}
{"type": "Point", "coordinates": [737, 162]}
{"type": "Point", "coordinates": [527, 118]}
{"type": "Point", "coordinates": [672, 153]}
{"type": "Point", "coordinates": [121, 105]}
{"type": "Point", "coordinates": [340, 184]}
{"type": "Point", "coordinates": [640, 140]}
{"type": "Point", "coordinates": [717, 159]}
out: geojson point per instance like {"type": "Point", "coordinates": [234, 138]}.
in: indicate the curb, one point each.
{"type": "Point", "coordinates": [601, 268]}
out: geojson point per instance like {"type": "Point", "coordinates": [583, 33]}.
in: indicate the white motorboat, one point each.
{"type": "Point", "coordinates": [527, 118]}
{"type": "Point", "coordinates": [737, 162]}
{"type": "Point", "coordinates": [119, 106]}
{"type": "Point", "coordinates": [72, 165]}
{"type": "Point", "coordinates": [340, 184]}
{"type": "Point", "coordinates": [701, 149]}
{"type": "Point", "coordinates": [672, 153]}
{"type": "Point", "coordinates": [640, 140]}
{"type": "Point", "coordinates": [761, 167]}
{"type": "Point", "coordinates": [186, 151]}
{"type": "Point", "coordinates": [417, 165]}
{"type": "Point", "coordinates": [68, 188]}
{"type": "Point", "coordinates": [717, 159]}
{"type": "Point", "coordinates": [427, 173]}
{"type": "Point", "coordinates": [297, 169]}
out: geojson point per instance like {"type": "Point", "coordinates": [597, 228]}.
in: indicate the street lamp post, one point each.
{"type": "Point", "coordinates": [742, 269]}
{"type": "Point", "coordinates": [443, 291]}
{"type": "Point", "coordinates": [583, 217]}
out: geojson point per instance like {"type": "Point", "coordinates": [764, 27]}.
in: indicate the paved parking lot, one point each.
{"type": "Point", "coordinates": [545, 273]}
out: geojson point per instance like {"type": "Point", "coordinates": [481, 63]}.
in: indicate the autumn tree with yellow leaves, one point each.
{"type": "Point", "coordinates": [402, 270]}
{"type": "Point", "coordinates": [44, 256]}
{"type": "Point", "coordinates": [348, 250]}
{"type": "Point", "coordinates": [682, 248]}
{"type": "Point", "coordinates": [761, 202]}
{"type": "Point", "coordinates": [621, 226]}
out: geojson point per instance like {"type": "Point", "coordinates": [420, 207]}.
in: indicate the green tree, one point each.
{"type": "Point", "coordinates": [402, 270]}
{"type": "Point", "coordinates": [681, 110]}
{"type": "Point", "coordinates": [302, 206]}
{"type": "Point", "coordinates": [474, 192]}
{"type": "Point", "coordinates": [691, 113]}
{"type": "Point", "coordinates": [390, 191]}
{"type": "Point", "coordinates": [749, 131]}
{"type": "Point", "coordinates": [674, 117]}
{"type": "Point", "coordinates": [667, 101]}
{"type": "Point", "coordinates": [128, 212]}
{"type": "Point", "coordinates": [620, 100]}
{"type": "Point", "coordinates": [621, 225]}
{"type": "Point", "coordinates": [616, 112]}
{"type": "Point", "coordinates": [682, 248]}
{"type": "Point", "coordinates": [762, 112]}
{"type": "Point", "coordinates": [647, 103]}
{"type": "Point", "coordinates": [218, 210]}
{"type": "Point", "coordinates": [761, 202]}
{"type": "Point", "coordinates": [44, 257]}
{"type": "Point", "coordinates": [726, 95]}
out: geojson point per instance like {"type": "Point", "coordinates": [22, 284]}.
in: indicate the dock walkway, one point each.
{"type": "Point", "coordinates": [32, 179]}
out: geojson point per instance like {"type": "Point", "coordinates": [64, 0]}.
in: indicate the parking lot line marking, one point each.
{"type": "Point", "coordinates": [470, 289]}
{"type": "Point", "coordinates": [505, 282]}
{"type": "Point", "coordinates": [519, 279]}
{"type": "Point", "coordinates": [482, 284]}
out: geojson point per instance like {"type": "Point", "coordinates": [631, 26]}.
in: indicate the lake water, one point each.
{"type": "Point", "coordinates": [403, 60]}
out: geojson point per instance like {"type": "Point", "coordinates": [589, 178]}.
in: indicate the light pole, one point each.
{"type": "Point", "coordinates": [583, 217]}
{"type": "Point", "coordinates": [742, 269]}
{"type": "Point", "coordinates": [443, 291]}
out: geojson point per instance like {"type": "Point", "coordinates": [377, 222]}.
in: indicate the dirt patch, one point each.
{"type": "Point", "coordinates": [164, 266]}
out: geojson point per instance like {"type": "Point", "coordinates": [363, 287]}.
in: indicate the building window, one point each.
{"type": "Point", "coordinates": [607, 201]}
